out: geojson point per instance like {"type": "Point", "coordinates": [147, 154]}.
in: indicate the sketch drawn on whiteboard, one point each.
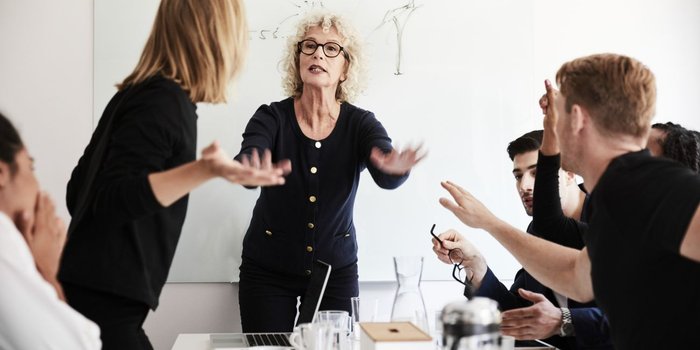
{"type": "Point", "coordinates": [278, 30]}
{"type": "Point", "coordinates": [399, 17]}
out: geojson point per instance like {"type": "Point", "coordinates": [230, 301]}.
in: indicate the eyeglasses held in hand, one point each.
{"type": "Point", "coordinates": [330, 49]}
{"type": "Point", "coordinates": [456, 258]}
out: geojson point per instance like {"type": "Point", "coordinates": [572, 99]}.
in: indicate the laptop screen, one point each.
{"type": "Point", "coordinates": [314, 293]}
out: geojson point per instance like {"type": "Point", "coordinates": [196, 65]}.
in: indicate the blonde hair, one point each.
{"type": "Point", "coordinates": [618, 91]}
{"type": "Point", "coordinates": [355, 74]}
{"type": "Point", "coordinates": [200, 44]}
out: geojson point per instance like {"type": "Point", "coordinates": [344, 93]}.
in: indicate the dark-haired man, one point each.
{"type": "Point", "coordinates": [535, 311]}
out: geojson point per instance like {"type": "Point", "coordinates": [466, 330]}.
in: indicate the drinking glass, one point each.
{"type": "Point", "coordinates": [340, 321]}
{"type": "Point", "coordinates": [355, 307]}
{"type": "Point", "coordinates": [312, 336]}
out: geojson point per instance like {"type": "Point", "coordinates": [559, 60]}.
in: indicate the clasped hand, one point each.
{"type": "Point", "coordinates": [45, 234]}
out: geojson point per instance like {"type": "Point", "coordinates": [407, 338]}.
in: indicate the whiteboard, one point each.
{"type": "Point", "coordinates": [471, 75]}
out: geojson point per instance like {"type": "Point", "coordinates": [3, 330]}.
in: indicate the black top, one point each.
{"type": "Point", "coordinates": [549, 222]}
{"type": "Point", "coordinates": [548, 219]}
{"type": "Point", "coordinates": [126, 240]}
{"type": "Point", "coordinates": [310, 216]}
{"type": "Point", "coordinates": [641, 209]}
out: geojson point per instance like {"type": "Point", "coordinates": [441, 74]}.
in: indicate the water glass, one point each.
{"type": "Point", "coordinates": [355, 307]}
{"type": "Point", "coordinates": [437, 332]}
{"type": "Point", "coordinates": [312, 336]}
{"type": "Point", "coordinates": [338, 318]}
{"type": "Point", "coordinates": [340, 321]}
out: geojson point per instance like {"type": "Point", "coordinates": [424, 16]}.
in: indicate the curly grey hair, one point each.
{"type": "Point", "coordinates": [354, 83]}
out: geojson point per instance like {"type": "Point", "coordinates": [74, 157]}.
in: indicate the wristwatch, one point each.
{"type": "Point", "coordinates": [567, 327]}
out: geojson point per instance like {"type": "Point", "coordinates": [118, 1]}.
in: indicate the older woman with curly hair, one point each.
{"type": "Point", "coordinates": [330, 142]}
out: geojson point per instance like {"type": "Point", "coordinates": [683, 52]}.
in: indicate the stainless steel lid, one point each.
{"type": "Point", "coordinates": [476, 316]}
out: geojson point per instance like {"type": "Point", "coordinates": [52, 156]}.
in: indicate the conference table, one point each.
{"type": "Point", "coordinates": [200, 341]}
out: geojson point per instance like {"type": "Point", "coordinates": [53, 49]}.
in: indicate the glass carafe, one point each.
{"type": "Point", "coordinates": [408, 301]}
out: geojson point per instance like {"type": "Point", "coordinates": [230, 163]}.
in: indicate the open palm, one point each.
{"type": "Point", "coordinates": [251, 171]}
{"type": "Point", "coordinates": [396, 162]}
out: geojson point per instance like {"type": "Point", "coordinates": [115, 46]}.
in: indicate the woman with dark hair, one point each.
{"type": "Point", "coordinates": [33, 312]}
{"type": "Point", "coordinates": [675, 142]}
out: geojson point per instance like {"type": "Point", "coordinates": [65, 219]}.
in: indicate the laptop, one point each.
{"type": "Point", "coordinates": [312, 301]}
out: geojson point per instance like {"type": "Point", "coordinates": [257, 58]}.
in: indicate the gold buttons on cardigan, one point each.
{"type": "Point", "coordinates": [313, 170]}
{"type": "Point", "coordinates": [310, 225]}
{"type": "Point", "coordinates": [309, 248]}
{"type": "Point", "coordinates": [317, 144]}
{"type": "Point", "coordinates": [312, 199]}
{"type": "Point", "coordinates": [307, 272]}
{"type": "Point", "coordinates": [268, 232]}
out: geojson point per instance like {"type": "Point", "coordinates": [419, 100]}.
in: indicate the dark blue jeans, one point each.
{"type": "Point", "coordinates": [268, 300]}
{"type": "Point", "coordinates": [120, 319]}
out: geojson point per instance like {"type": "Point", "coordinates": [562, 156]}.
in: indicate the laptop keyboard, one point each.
{"type": "Point", "coordinates": [278, 339]}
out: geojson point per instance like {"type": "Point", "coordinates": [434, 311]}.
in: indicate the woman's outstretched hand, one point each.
{"type": "Point", "coordinates": [252, 170]}
{"type": "Point", "coordinates": [396, 162]}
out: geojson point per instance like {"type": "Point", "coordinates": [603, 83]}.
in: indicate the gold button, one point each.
{"type": "Point", "coordinates": [307, 272]}
{"type": "Point", "coordinates": [314, 170]}
{"type": "Point", "coordinates": [312, 199]}
{"type": "Point", "coordinates": [268, 232]}
{"type": "Point", "coordinates": [309, 248]}
{"type": "Point", "coordinates": [310, 225]}
{"type": "Point", "coordinates": [317, 144]}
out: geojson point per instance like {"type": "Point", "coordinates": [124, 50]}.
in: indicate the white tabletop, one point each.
{"type": "Point", "coordinates": [192, 341]}
{"type": "Point", "coordinates": [200, 341]}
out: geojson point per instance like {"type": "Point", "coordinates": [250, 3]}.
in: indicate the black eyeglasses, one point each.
{"type": "Point", "coordinates": [330, 49]}
{"type": "Point", "coordinates": [456, 258]}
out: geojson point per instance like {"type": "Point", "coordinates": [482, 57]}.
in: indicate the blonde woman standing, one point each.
{"type": "Point", "coordinates": [119, 252]}
{"type": "Point", "coordinates": [329, 142]}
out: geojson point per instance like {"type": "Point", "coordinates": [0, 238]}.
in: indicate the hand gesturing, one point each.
{"type": "Point", "coordinates": [396, 162]}
{"type": "Point", "coordinates": [250, 171]}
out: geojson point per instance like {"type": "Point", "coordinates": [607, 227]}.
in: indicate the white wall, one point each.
{"type": "Point", "coordinates": [46, 83]}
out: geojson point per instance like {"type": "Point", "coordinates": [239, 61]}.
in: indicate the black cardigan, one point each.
{"type": "Point", "coordinates": [126, 240]}
{"type": "Point", "coordinates": [311, 216]}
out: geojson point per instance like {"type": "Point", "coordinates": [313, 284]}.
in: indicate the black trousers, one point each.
{"type": "Point", "coordinates": [268, 300]}
{"type": "Point", "coordinates": [120, 319]}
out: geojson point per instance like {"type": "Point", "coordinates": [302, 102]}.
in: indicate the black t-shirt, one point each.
{"type": "Point", "coordinates": [641, 209]}
{"type": "Point", "coordinates": [126, 241]}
